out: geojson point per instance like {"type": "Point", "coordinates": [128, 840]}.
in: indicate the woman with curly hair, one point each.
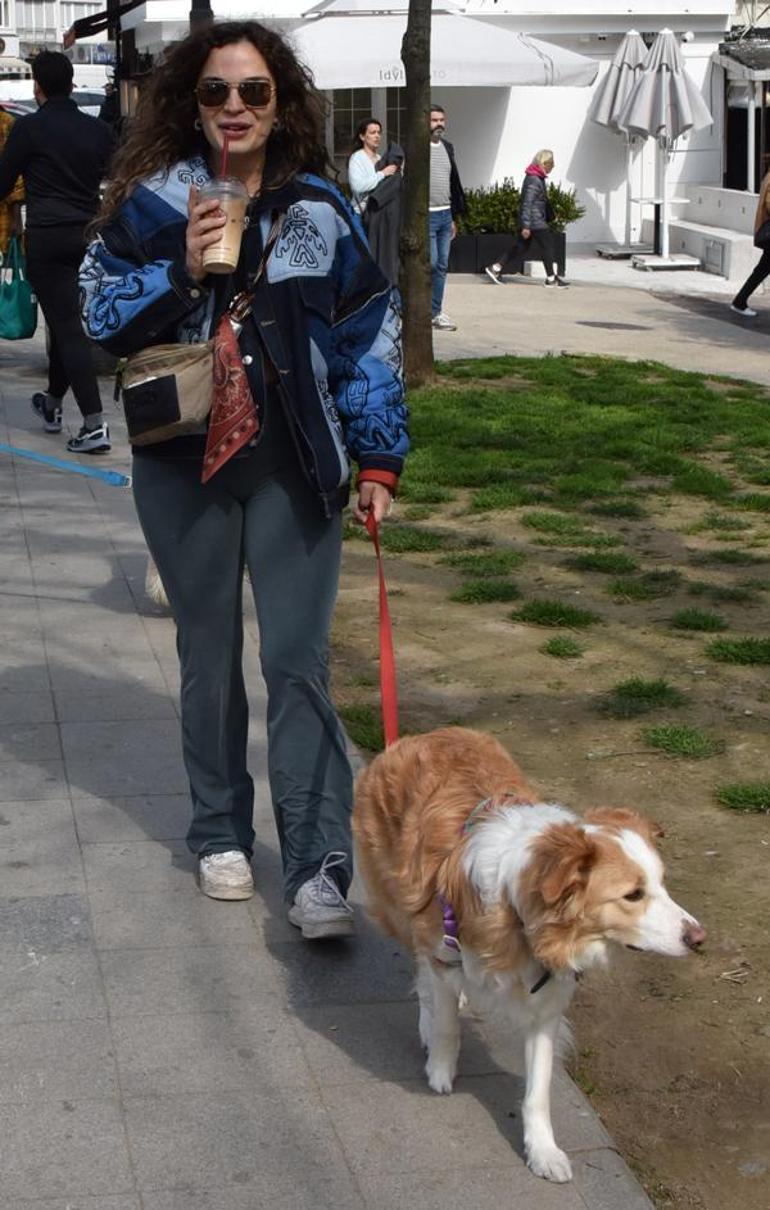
{"type": "Point", "coordinates": [321, 353]}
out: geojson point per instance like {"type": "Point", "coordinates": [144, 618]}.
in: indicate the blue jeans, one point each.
{"type": "Point", "coordinates": [440, 222]}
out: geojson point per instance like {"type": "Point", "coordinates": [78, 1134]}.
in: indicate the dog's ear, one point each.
{"type": "Point", "coordinates": [563, 858]}
{"type": "Point", "coordinates": [624, 817]}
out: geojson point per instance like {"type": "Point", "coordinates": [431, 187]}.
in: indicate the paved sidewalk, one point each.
{"type": "Point", "coordinates": [161, 1051]}
{"type": "Point", "coordinates": [685, 323]}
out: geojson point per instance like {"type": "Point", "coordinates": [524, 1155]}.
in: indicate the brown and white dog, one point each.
{"type": "Point", "coordinates": [504, 898]}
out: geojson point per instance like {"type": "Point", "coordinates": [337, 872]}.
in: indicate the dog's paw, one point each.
{"type": "Point", "coordinates": [441, 1075]}
{"type": "Point", "coordinates": [550, 1163]}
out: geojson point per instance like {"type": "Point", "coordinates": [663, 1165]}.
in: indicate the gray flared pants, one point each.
{"type": "Point", "coordinates": [200, 536]}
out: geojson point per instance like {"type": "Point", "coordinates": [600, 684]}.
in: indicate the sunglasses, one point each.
{"type": "Point", "coordinates": [255, 94]}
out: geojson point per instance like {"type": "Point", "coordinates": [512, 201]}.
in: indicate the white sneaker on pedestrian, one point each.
{"type": "Point", "coordinates": [494, 274]}
{"type": "Point", "coordinates": [443, 322]}
{"type": "Point", "coordinates": [746, 312]}
{"type": "Point", "coordinates": [320, 909]}
{"type": "Point", "coordinates": [90, 441]}
{"type": "Point", "coordinates": [226, 875]}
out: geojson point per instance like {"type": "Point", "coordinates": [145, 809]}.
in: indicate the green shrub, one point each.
{"type": "Point", "coordinates": [495, 208]}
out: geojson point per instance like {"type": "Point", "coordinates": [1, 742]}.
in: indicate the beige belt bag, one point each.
{"type": "Point", "coordinates": [167, 391]}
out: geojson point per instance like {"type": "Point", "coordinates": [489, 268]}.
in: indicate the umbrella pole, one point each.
{"type": "Point", "coordinates": [629, 165]}
{"type": "Point", "coordinates": [663, 194]}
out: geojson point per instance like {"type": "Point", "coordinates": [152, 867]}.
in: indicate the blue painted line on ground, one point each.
{"type": "Point", "coordinates": [115, 478]}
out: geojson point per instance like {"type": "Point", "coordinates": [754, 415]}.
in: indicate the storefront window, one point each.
{"type": "Point", "coordinates": [351, 106]}
{"type": "Point", "coordinates": [396, 115]}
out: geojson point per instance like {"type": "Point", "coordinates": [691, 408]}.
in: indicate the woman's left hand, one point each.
{"type": "Point", "coordinates": [372, 498]}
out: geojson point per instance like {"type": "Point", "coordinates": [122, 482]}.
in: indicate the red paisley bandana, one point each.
{"type": "Point", "coordinates": [233, 420]}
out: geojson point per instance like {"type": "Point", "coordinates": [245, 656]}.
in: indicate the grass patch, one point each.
{"type": "Point", "coordinates": [504, 495]}
{"type": "Point", "coordinates": [480, 592]}
{"type": "Point", "coordinates": [682, 741]}
{"type": "Point", "coordinates": [650, 586]}
{"type": "Point", "coordinates": [723, 521]}
{"type": "Point", "coordinates": [740, 651]}
{"type": "Point", "coordinates": [553, 523]}
{"type": "Point", "coordinates": [754, 502]}
{"type": "Point", "coordinates": [424, 493]}
{"type": "Point", "coordinates": [555, 613]}
{"type": "Point", "coordinates": [487, 563]}
{"type": "Point", "coordinates": [729, 556]}
{"type": "Point", "coordinates": [748, 797]}
{"type": "Point", "coordinates": [418, 512]}
{"type": "Point", "coordinates": [610, 562]}
{"type": "Point", "coordinates": [364, 726]}
{"type": "Point", "coordinates": [562, 647]}
{"type": "Point", "coordinates": [721, 592]}
{"type": "Point", "coordinates": [697, 619]}
{"type": "Point", "coordinates": [401, 539]}
{"type": "Point", "coordinates": [579, 538]}
{"type": "Point", "coordinates": [636, 696]}
{"type": "Point", "coordinates": [696, 480]}
{"type": "Point", "coordinates": [628, 509]}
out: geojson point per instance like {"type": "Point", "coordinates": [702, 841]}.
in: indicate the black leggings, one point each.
{"type": "Point", "coordinates": [54, 255]}
{"type": "Point", "coordinates": [523, 248]}
{"type": "Point", "coordinates": [757, 276]}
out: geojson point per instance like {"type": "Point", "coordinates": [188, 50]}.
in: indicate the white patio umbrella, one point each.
{"type": "Point", "coordinates": [610, 99]}
{"type": "Point", "coordinates": [665, 104]}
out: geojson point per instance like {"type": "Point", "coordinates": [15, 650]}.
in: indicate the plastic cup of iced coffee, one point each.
{"type": "Point", "coordinates": [233, 197]}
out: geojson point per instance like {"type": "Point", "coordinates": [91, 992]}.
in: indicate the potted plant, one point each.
{"type": "Point", "coordinates": [491, 224]}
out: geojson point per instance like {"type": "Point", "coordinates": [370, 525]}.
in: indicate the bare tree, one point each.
{"type": "Point", "coordinates": [415, 243]}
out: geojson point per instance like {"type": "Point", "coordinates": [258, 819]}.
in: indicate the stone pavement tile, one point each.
{"type": "Point", "coordinates": [42, 986]}
{"type": "Point", "coordinates": [19, 676]}
{"type": "Point", "coordinates": [43, 779]}
{"type": "Point", "coordinates": [575, 1123]}
{"type": "Point", "coordinates": [49, 1061]}
{"type": "Point", "coordinates": [29, 742]}
{"type": "Point", "coordinates": [140, 868]}
{"type": "Point", "coordinates": [39, 853]}
{"type": "Point", "coordinates": [220, 977]}
{"type": "Point", "coordinates": [72, 671]}
{"type": "Point", "coordinates": [456, 1188]}
{"type": "Point", "coordinates": [278, 1143]}
{"type": "Point", "coordinates": [317, 1191]}
{"type": "Point", "coordinates": [202, 1053]}
{"type": "Point", "coordinates": [80, 1203]}
{"type": "Point", "coordinates": [408, 1125]}
{"type": "Point", "coordinates": [345, 1043]}
{"type": "Point", "coordinates": [606, 1182]}
{"type": "Point", "coordinates": [365, 970]}
{"type": "Point", "coordinates": [134, 757]}
{"type": "Point", "coordinates": [124, 705]}
{"type": "Point", "coordinates": [30, 707]}
{"type": "Point", "coordinates": [45, 924]}
{"type": "Point", "coordinates": [62, 1149]}
{"type": "Point", "coordinates": [167, 920]}
{"type": "Point", "coordinates": [137, 817]}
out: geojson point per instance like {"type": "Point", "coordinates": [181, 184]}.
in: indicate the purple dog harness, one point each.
{"type": "Point", "coordinates": [451, 950]}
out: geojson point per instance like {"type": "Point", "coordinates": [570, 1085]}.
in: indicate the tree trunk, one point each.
{"type": "Point", "coordinates": [415, 244]}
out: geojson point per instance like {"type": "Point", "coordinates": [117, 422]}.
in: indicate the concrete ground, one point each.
{"type": "Point", "coordinates": [161, 1051]}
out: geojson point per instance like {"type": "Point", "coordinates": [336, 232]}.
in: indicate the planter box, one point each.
{"type": "Point", "coordinates": [463, 257]}
{"type": "Point", "coordinates": [472, 253]}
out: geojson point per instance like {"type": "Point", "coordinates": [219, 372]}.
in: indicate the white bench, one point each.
{"type": "Point", "coordinates": [730, 254]}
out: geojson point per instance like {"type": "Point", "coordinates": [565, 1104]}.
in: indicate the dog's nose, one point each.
{"type": "Point", "coordinates": [693, 934]}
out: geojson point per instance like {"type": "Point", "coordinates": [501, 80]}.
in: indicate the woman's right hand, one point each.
{"type": "Point", "coordinates": [525, 232]}
{"type": "Point", "coordinates": [390, 169]}
{"type": "Point", "coordinates": [205, 221]}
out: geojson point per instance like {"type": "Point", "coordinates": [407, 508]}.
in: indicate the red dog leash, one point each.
{"type": "Point", "coordinates": [388, 690]}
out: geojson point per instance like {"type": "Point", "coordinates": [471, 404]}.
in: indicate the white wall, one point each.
{"type": "Point", "coordinates": [496, 131]}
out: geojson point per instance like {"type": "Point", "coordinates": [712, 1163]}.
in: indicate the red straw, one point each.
{"type": "Point", "coordinates": [225, 148]}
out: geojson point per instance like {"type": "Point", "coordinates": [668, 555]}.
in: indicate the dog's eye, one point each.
{"type": "Point", "coordinates": [634, 896]}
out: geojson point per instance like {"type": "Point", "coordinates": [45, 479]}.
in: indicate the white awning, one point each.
{"type": "Point", "coordinates": [365, 52]}
{"type": "Point", "coordinates": [14, 68]}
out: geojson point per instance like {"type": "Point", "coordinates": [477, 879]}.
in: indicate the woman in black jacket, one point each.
{"type": "Point", "coordinates": [535, 214]}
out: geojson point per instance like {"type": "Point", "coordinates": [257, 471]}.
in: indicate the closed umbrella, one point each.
{"type": "Point", "coordinates": [611, 96]}
{"type": "Point", "coordinates": [665, 104]}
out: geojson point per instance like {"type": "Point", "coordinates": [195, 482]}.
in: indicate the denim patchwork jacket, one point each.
{"type": "Point", "coordinates": [324, 316]}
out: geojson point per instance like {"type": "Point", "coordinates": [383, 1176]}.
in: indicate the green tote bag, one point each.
{"type": "Point", "coordinates": [18, 305]}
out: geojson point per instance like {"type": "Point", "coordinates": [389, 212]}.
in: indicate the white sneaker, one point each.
{"type": "Point", "coordinates": [90, 441]}
{"type": "Point", "coordinates": [746, 312]}
{"type": "Point", "coordinates": [226, 875]}
{"type": "Point", "coordinates": [494, 274]}
{"type": "Point", "coordinates": [319, 907]}
{"type": "Point", "coordinates": [443, 322]}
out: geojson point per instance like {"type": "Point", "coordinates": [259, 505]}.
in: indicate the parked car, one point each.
{"type": "Point", "coordinates": [17, 97]}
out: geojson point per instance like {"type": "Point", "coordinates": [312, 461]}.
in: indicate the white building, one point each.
{"type": "Point", "coordinates": [27, 26]}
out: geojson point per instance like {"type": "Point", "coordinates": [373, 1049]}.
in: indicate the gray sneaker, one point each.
{"type": "Point", "coordinates": [319, 907]}
{"type": "Point", "coordinates": [226, 875]}
{"type": "Point", "coordinates": [49, 413]}
{"type": "Point", "coordinates": [443, 323]}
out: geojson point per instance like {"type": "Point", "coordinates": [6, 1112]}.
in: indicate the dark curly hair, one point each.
{"type": "Point", "coordinates": [164, 132]}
